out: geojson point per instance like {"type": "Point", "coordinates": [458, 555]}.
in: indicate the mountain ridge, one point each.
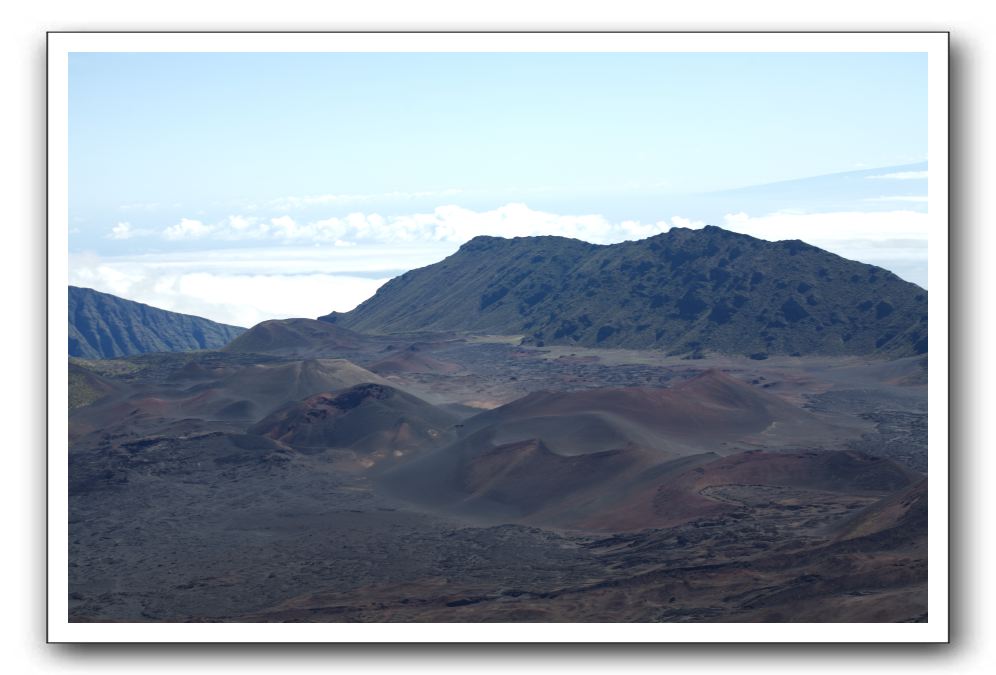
{"type": "Point", "coordinates": [687, 291]}
{"type": "Point", "coordinates": [104, 326]}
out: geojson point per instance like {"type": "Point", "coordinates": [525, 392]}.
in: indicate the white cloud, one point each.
{"type": "Point", "coordinates": [241, 223]}
{"type": "Point", "coordinates": [187, 228]}
{"type": "Point", "coordinates": [325, 259]}
{"type": "Point", "coordinates": [834, 226]}
{"type": "Point", "coordinates": [899, 175]}
{"type": "Point", "coordinates": [121, 231]}
{"type": "Point", "coordinates": [448, 223]}
{"type": "Point", "coordinates": [225, 293]}
{"type": "Point", "coordinates": [334, 264]}
{"type": "Point", "coordinates": [895, 240]}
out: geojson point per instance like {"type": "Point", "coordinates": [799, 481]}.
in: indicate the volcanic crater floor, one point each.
{"type": "Point", "coordinates": [184, 508]}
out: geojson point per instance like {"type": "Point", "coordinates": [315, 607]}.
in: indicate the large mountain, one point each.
{"type": "Point", "coordinates": [686, 291]}
{"type": "Point", "coordinates": [104, 326]}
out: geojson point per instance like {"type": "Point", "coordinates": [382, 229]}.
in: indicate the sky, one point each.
{"type": "Point", "coordinates": [243, 187]}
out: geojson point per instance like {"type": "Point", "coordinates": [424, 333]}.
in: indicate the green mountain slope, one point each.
{"type": "Point", "coordinates": [685, 291]}
{"type": "Point", "coordinates": [103, 326]}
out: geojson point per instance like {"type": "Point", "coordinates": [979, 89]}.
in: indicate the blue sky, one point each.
{"type": "Point", "coordinates": [183, 164]}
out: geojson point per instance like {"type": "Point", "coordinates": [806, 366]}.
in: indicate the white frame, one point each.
{"type": "Point", "coordinates": [60, 45]}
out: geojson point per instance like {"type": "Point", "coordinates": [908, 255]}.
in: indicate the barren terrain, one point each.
{"type": "Point", "coordinates": [310, 473]}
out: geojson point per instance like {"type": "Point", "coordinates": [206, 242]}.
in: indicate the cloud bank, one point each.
{"type": "Point", "coordinates": [245, 286]}
{"type": "Point", "coordinates": [240, 300]}
{"type": "Point", "coordinates": [335, 263]}
{"type": "Point", "coordinates": [456, 225]}
{"type": "Point", "coordinates": [450, 223]}
{"type": "Point", "coordinates": [895, 240]}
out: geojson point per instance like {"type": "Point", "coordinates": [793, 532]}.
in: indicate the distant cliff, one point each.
{"type": "Point", "coordinates": [103, 326]}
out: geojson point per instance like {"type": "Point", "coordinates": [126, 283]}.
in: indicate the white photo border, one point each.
{"type": "Point", "coordinates": [62, 44]}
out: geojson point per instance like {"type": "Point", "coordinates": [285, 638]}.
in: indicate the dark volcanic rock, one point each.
{"type": "Point", "coordinates": [104, 326]}
{"type": "Point", "coordinates": [685, 291]}
{"type": "Point", "coordinates": [295, 337]}
{"type": "Point", "coordinates": [373, 419]}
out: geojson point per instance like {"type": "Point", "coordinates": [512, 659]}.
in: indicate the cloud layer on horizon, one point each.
{"type": "Point", "coordinates": [335, 263]}
{"type": "Point", "coordinates": [448, 223]}
{"type": "Point", "coordinates": [245, 286]}
{"type": "Point", "coordinates": [455, 225]}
